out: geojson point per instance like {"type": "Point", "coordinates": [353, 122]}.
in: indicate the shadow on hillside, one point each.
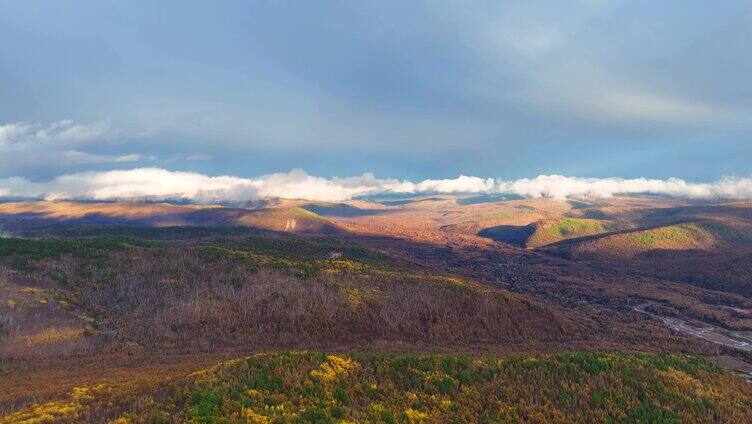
{"type": "Point", "coordinates": [342, 210]}
{"type": "Point", "coordinates": [515, 235]}
{"type": "Point", "coordinates": [488, 198]}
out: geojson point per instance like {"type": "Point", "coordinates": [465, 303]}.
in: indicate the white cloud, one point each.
{"type": "Point", "coordinates": [59, 132]}
{"type": "Point", "coordinates": [560, 187]}
{"type": "Point", "coordinates": [299, 185]}
{"type": "Point", "coordinates": [10, 133]}
{"type": "Point", "coordinates": [461, 184]}
{"type": "Point", "coordinates": [58, 143]}
{"type": "Point", "coordinates": [160, 184]}
{"type": "Point", "coordinates": [75, 157]}
{"type": "Point", "coordinates": [146, 183]}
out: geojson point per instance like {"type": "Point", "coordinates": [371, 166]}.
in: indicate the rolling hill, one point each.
{"type": "Point", "coordinates": [294, 220]}
{"type": "Point", "coordinates": [288, 217]}
{"type": "Point", "coordinates": [117, 303]}
{"type": "Point", "coordinates": [551, 231]}
{"type": "Point", "coordinates": [706, 235]}
{"type": "Point", "coordinates": [547, 231]}
{"type": "Point", "coordinates": [83, 295]}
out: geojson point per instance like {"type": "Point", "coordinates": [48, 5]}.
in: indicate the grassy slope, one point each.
{"type": "Point", "coordinates": [547, 232]}
{"type": "Point", "coordinates": [687, 236]}
{"type": "Point", "coordinates": [296, 387]}
{"type": "Point", "coordinates": [294, 219]}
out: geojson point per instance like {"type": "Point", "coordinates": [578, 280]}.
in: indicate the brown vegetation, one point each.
{"type": "Point", "coordinates": [199, 297]}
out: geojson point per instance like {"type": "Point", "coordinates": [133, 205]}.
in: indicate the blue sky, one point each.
{"type": "Point", "coordinates": [406, 90]}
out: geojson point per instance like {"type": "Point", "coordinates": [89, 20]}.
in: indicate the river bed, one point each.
{"type": "Point", "coordinates": [706, 332]}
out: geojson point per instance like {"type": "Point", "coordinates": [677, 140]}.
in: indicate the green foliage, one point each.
{"type": "Point", "coordinates": [38, 249]}
{"type": "Point", "coordinates": [675, 234]}
{"type": "Point", "coordinates": [565, 228]}
{"type": "Point", "coordinates": [568, 227]}
{"type": "Point", "coordinates": [21, 264]}
{"type": "Point", "coordinates": [647, 412]}
{"type": "Point", "coordinates": [204, 406]}
{"type": "Point", "coordinates": [54, 248]}
{"type": "Point", "coordinates": [23, 254]}
{"type": "Point", "coordinates": [296, 387]}
{"type": "Point", "coordinates": [303, 257]}
{"type": "Point", "coordinates": [686, 236]}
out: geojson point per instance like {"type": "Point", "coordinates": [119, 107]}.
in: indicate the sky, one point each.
{"type": "Point", "coordinates": [402, 91]}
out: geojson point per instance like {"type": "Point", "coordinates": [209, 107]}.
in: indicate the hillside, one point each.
{"type": "Point", "coordinates": [704, 235]}
{"type": "Point", "coordinates": [294, 220]}
{"type": "Point", "coordinates": [84, 295]}
{"type": "Point", "coordinates": [551, 231]}
{"type": "Point", "coordinates": [543, 232]}
{"type": "Point", "coordinates": [24, 215]}
{"type": "Point", "coordinates": [715, 253]}
{"type": "Point", "coordinates": [123, 301]}
{"type": "Point", "coordinates": [291, 387]}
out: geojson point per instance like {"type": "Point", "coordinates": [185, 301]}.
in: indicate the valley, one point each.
{"type": "Point", "coordinates": [179, 288]}
{"type": "Point", "coordinates": [375, 212]}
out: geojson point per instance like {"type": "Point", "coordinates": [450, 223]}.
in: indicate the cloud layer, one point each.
{"type": "Point", "coordinates": [65, 130]}
{"type": "Point", "coordinates": [156, 184]}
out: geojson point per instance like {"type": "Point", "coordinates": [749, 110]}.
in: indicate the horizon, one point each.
{"type": "Point", "coordinates": [156, 184]}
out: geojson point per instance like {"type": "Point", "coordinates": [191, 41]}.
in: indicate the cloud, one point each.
{"type": "Point", "coordinates": [157, 184]}
{"type": "Point", "coordinates": [143, 184]}
{"type": "Point", "coordinates": [299, 185]}
{"type": "Point", "coordinates": [74, 157]}
{"type": "Point", "coordinates": [560, 187]}
{"type": "Point", "coordinates": [62, 131]}
{"type": "Point", "coordinates": [461, 184]}
{"type": "Point", "coordinates": [587, 62]}
{"type": "Point", "coordinates": [56, 144]}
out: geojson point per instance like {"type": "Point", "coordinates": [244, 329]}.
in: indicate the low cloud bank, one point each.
{"type": "Point", "coordinates": [160, 184]}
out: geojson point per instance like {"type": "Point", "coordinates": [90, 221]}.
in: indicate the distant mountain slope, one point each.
{"type": "Point", "coordinates": [283, 218]}
{"type": "Point", "coordinates": [310, 386]}
{"type": "Point", "coordinates": [551, 231]}
{"type": "Point", "coordinates": [343, 210]}
{"type": "Point", "coordinates": [294, 220]}
{"type": "Point", "coordinates": [543, 232]}
{"type": "Point", "coordinates": [699, 235]}
{"type": "Point", "coordinates": [630, 244]}
{"type": "Point", "coordinates": [713, 253]}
